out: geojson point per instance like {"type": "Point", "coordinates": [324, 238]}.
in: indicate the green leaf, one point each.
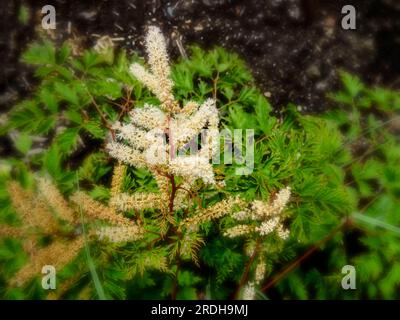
{"type": "Point", "coordinates": [40, 54]}
{"type": "Point", "coordinates": [382, 97]}
{"type": "Point", "coordinates": [100, 193]}
{"type": "Point", "coordinates": [352, 84]}
{"type": "Point", "coordinates": [91, 59]}
{"type": "Point", "coordinates": [241, 119]}
{"type": "Point", "coordinates": [23, 143]}
{"type": "Point", "coordinates": [52, 162]}
{"type": "Point", "coordinates": [187, 293]}
{"type": "Point", "coordinates": [63, 53]}
{"type": "Point", "coordinates": [67, 140]}
{"type": "Point", "coordinates": [228, 92]}
{"type": "Point", "coordinates": [203, 88]}
{"type": "Point", "coordinates": [109, 88]}
{"type": "Point", "coordinates": [48, 99]}
{"type": "Point", "coordinates": [31, 118]}
{"type": "Point", "coordinates": [247, 94]}
{"type": "Point", "coordinates": [221, 67]}
{"type": "Point", "coordinates": [187, 278]}
{"type": "Point", "coordinates": [67, 93]}
{"type": "Point", "coordinates": [263, 109]}
{"type": "Point", "coordinates": [95, 129]}
{"type": "Point", "coordinates": [74, 116]}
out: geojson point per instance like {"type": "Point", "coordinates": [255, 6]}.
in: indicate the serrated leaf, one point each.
{"type": "Point", "coordinates": [95, 129]}
{"type": "Point", "coordinates": [67, 140]}
{"type": "Point", "coordinates": [48, 99]}
{"type": "Point", "coordinates": [63, 53]}
{"type": "Point", "coordinates": [40, 54]}
{"type": "Point", "coordinates": [91, 59]}
{"type": "Point", "coordinates": [52, 161]}
{"type": "Point", "coordinates": [67, 93]}
{"type": "Point", "coordinates": [74, 116]}
{"type": "Point", "coordinates": [228, 92]}
{"type": "Point", "coordinates": [352, 84]}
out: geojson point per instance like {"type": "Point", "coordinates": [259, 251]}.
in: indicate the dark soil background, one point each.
{"type": "Point", "coordinates": [294, 47]}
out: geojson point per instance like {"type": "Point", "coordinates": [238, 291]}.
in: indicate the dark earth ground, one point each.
{"type": "Point", "coordinates": [294, 47]}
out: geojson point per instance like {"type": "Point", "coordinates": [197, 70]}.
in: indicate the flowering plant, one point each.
{"type": "Point", "coordinates": [162, 140]}
{"type": "Point", "coordinates": [111, 179]}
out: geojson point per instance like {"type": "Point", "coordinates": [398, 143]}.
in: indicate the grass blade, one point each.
{"type": "Point", "coordinates": [90, 263]}
{"type": "Point", "coordinates": [375, 222]}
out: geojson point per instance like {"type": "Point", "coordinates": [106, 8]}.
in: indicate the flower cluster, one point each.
{"type": "Point", "coordinates": [120, 233]}
{"type": "Point", "coordinates": [265, 217]}
{"type": "Point", "coordinates": [158, 138]}
{"type": "Point", "coordinates": [119, 229]}
{"type": "Point", "coordinates": [216, 211]}
{"type": "Point", "coordinates": [43, 214]}
{"type": "Point", "coordinates": [47, 213]}
{"type": "Point", "coordinates": [249, 291]}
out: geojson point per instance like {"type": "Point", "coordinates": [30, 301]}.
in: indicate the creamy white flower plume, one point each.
{"type": "Point", "coordinates": [158, 81]}
{"type": "Point", "coordinates": [267, 227]}
{"type": "Point", "coordinates": [260, 271]}
{"type": "Point", "coordinates": [184, 128]}
{"type": "Point", "coordinates": [193, 166]}
{"type": "Point", "coordinates": [265, 217]}
{"type": "Point", "coordinates": [282, 232]}
{"type": "Point", "coordinates": [158, 57]}
{"type": "Point", "coordinates": [157, 137]}
{"type": "Point", "coordinates": [239, 230]}
{"type": "Point", "coordinates": [126, 154]}
{"type": "Point", "coordinates": [249, 291]}
{"type": "Point", "coordinates": [118, 234]}
{"type": "Point", "coordinates": [148, 117]}
{"type": "Point", "coordinates": [138, 201]}
{"type": "Point", "coordinates": [134, 136]}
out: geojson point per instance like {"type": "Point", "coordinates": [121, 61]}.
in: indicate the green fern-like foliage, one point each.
{"type": "Point", "coordinates": [342, 168]}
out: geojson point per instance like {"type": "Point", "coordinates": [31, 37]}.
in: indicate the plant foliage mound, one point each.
{"type": "Point", "coordinates": [99, 179]}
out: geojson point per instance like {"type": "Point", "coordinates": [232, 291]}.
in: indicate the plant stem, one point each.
{"type": "Point", "coordinates": [346, 223]}
{"type": "Point", "coordinates": [282, 274]}
{"type": "Point", "coordinates": [172, 195]}
{"type": "Point", "coordinates": [246, 272]}
{"type": "Point", "coordinates": [215, 82]}
{"type": "Point", "coordinates": [102, 116]}
{"type": "Point", "coordinates": [171, 211]}
{"type": "Point", "coordinates": [175, 285]}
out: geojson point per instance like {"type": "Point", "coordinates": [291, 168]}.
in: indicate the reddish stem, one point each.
{"type": "Point", "coordinates": [282, 274]}
{"type": "Point", "coordinates": [246, 272]}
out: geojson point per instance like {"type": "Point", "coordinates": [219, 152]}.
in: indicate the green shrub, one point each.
{"type": "Point", "coordinates": [342, 168]}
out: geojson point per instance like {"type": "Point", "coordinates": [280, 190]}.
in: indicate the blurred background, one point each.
{"type": "Point", "coordinates": [294, 47]}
